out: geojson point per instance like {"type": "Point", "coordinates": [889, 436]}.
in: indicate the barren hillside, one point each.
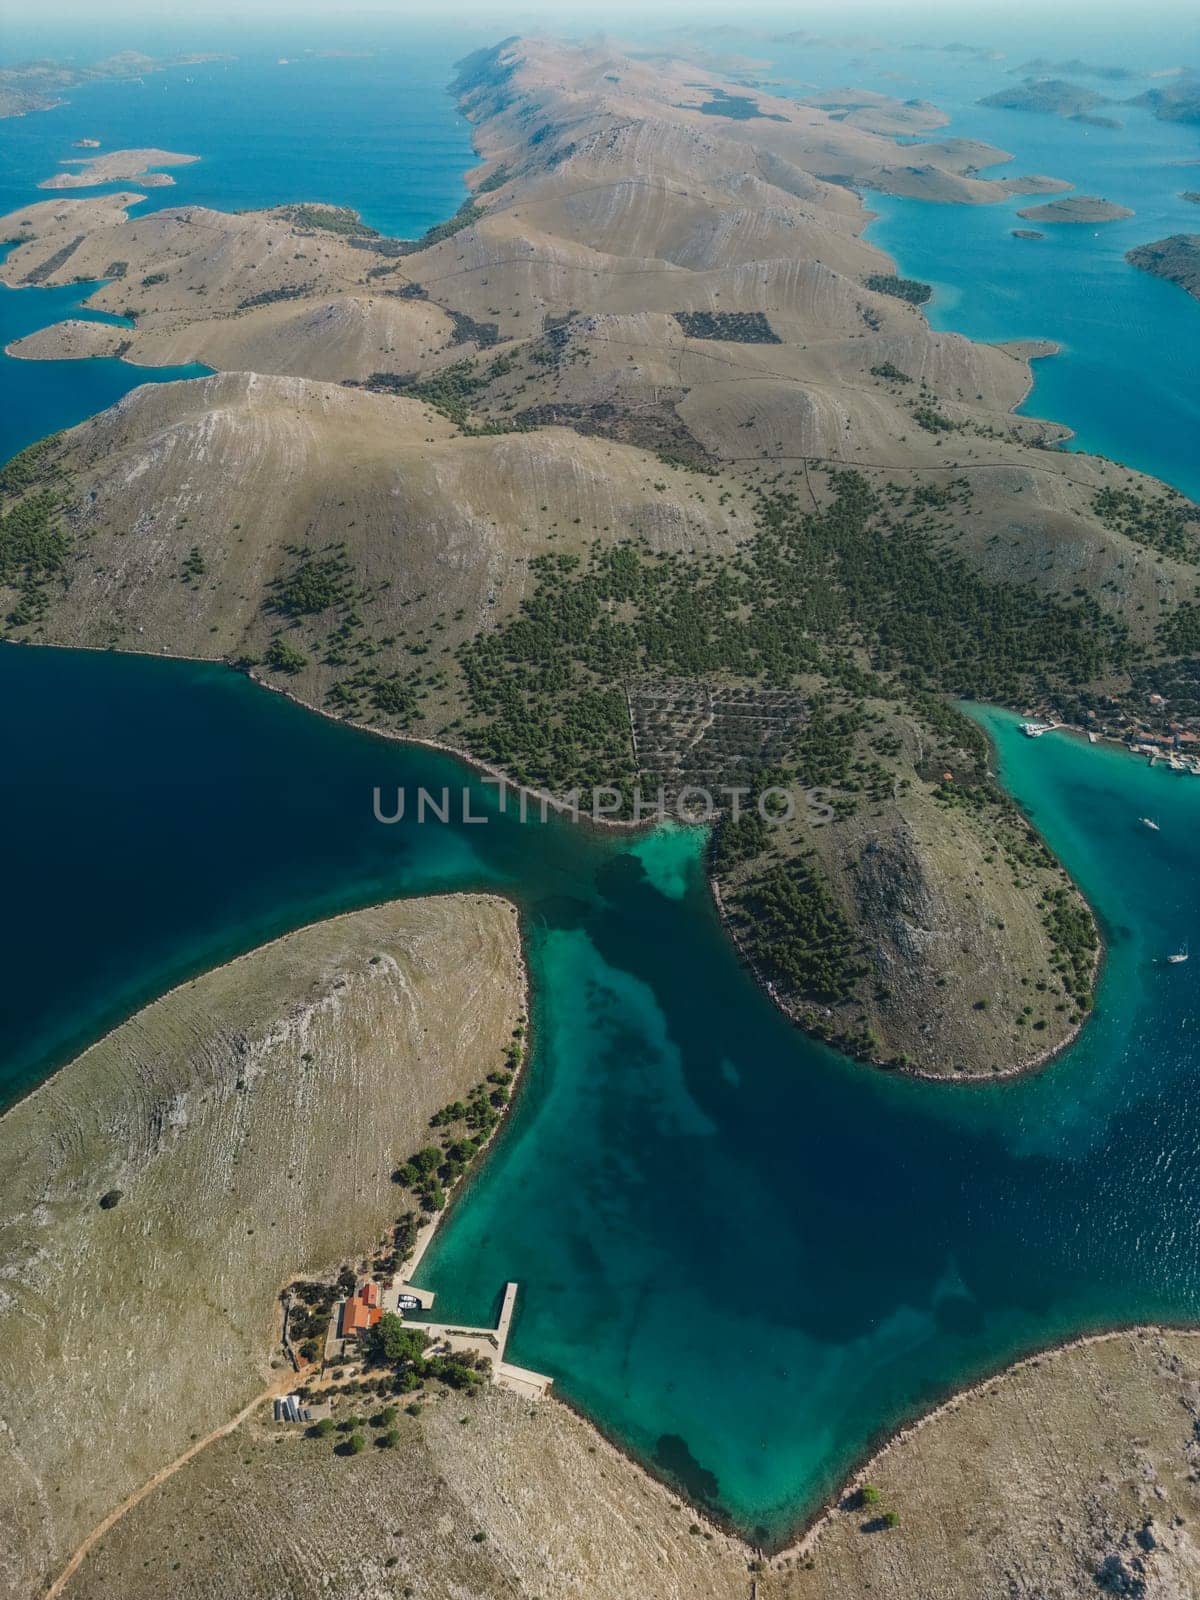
{"type": "Point", "coordinates": [1070, 1475]}
{"type": "Point", "coordinates": [246, 1126]}
{"type": "Point", "coordinates": [645, 421]}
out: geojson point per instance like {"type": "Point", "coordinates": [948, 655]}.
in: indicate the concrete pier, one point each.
{"type": "Point", "coordinates": [492, 1343]}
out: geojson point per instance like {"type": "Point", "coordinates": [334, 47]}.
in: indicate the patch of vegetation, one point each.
{"type": "Point", "coordinates": [1179, 634]}
{"type": "Point", "coordinates": [661, 431]}
{"type": "Point", "coordinates": [467, 214]}
{"type": "Point", "coordinates": [449, 391]}
{"type": "Point", "coordinates": [282, 656]}
{"type": "Point", "coordinates": [797, 935]}
{"type": "Point", "coordinates": [494, 180]}
{"type": "Point", "coordinates": [33, 547]}
{"type": "Point", "coordinates": [467, 330]}
{"type": "Point", "coordinates": [888, 370]}
{"type": "Point", "coordinates": [35, 464]}
{"type": "Point", "coordinates": [740, 107]}
{"type": "Point", "coordinates": [933, 420]}
{"type": "Point", "coordinates": [738, 327]}
{"type": "Point", "coordinates": [195, 565]}
{"type": "Point", "coordinates": [860, 574]}
{"type": "Point", "coordinates": [1076, 943]}
{"type": "Point", "coordinates": [268, 297]}
{"type": "Point", "coordinates": [1163, 521]}
{"type": "Point", "coordinates": [153, 278]}
{"type": "Point", "coordinates": [464, 1126]}
{"type": "Point", "coordinates": [910, 289]}
{"type": "Point", "coordinates": [313, 586]}
{"type": "Point", "coordinates": [309, 1316]}
{"type": "Point", "coordinates": [404, 1348]}
{"type": "Point", "coordinates": [329, 219]}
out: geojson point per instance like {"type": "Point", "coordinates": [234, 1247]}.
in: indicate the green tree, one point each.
{"type": "Point", "coordinates": [394, 1342]}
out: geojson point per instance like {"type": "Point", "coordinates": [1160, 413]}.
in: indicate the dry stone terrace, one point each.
{"type": "Point", "coordinates": [693, 732]}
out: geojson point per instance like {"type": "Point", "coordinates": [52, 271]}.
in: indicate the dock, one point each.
{"type": "Point", "coordinates": [492, 1343]}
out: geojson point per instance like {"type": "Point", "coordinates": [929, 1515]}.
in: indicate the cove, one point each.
{"type": "Point", "coordinates": [327, 126]}
{"type": "Point", "coordinates": [742, 1255]}
{"type": "Point", "coordinates": [44, 396]}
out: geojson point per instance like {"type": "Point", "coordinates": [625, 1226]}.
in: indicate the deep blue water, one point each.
{"type": "Point", "coordinates": [741, 1253]}
{"type": "Point", "coordinates": [42, 396]}
{"type": "Point", "coordinates": [375, 131]}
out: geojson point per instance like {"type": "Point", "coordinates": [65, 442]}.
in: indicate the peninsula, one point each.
{"type": "Point", "coordinates": [1177, 259]}
{"type": "Point", "coordinates": [498, 425]}
{"type": "Point", "coordinates": [40, 85]}
{"type": "Point", "coordinates": [239, 1131]}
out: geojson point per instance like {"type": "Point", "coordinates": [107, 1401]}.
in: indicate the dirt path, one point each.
{"type": "Point", "coordinates": [280, 1386]}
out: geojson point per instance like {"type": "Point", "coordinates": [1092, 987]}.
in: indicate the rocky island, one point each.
{"type": "Point", "coordinates": [1077, 208]}
{"type": "Point", "coordinates": [118, 166]}
{"type": "Point", "coordinates": [1177, 259]}
{"type": "Point", "coordinates": [1052, 97]}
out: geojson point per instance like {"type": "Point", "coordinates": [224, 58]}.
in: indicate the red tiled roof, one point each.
{"type": "Point", "coordinates": [358, 1316]}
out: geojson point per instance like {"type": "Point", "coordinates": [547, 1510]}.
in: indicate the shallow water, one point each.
{"type": "Point", "coordinates": [742, 1254]}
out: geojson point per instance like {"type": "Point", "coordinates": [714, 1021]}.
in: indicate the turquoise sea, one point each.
{"type": "Point", "coordinates": [744, 1256]}
{"type": "Point", "coordinates": [1127, 379]}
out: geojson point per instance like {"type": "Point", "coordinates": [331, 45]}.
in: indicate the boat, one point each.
{"type": "Point", "coordinates": [1035, 730]}
{"type": "Point", "coordinates": [1180, 955]}
{"type": "Point", "coordinates": [1149, 822]}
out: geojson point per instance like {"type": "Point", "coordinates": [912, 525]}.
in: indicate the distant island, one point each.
{"type": "Point", "coordinates": [119, 166]}
{"type": "Point", "coordinates": [1041, 67]}
{"type": "Point", "coordinates": [1177, 259]}
{"type": "Point", "coordinates": [40, 85]}
{"type": "Point", "coordinates": [1077, 208]}
{"type": "Point", "coordinates": [1173, 102]}
{"type": "Point", "coordinates": [1047, 96]}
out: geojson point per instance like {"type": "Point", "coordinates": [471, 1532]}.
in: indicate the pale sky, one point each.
{"type": "Point", "coordinates": [841, 15]}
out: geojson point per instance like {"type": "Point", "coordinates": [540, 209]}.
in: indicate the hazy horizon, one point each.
{"type": "Point", "coordinates": [897, 17]}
